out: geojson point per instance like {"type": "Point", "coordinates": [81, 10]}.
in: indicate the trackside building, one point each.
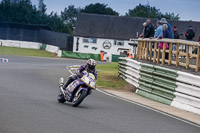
{"type": "Point", "coordinates": [96, 33]}
{"type": "Point", "coordinates": [111, 34]}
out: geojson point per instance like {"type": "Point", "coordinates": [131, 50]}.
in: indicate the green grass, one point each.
{"type": "Point", "coordinates": [24, 52]}
{"type": "Point", "coordinates": [108, 77]}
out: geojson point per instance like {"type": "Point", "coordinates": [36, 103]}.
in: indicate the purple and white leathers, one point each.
{"type": "Point", "coordinates": [78, 89]}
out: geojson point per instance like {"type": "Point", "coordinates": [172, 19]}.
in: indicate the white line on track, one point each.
{"type": "Point", "coordinates": [147, 107]}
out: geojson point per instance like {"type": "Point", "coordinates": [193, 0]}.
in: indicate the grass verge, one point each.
{"type": "Point", "coordinates": [25, 52]}
{"type": "Point", "coordinates": [108, 77]}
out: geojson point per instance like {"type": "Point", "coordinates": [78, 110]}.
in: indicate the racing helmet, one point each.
{"type": "Point", "coordinates": [91, 64]}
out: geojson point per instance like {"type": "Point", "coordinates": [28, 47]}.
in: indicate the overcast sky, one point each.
{"type": "Point", "coordinates": [187, 9]}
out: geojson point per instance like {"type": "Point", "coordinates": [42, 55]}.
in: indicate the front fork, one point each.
{"type": "Point", "coordinates": [61, 84]}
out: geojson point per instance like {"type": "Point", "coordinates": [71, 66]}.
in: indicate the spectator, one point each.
{"type": "Point", "coordinates": [129, 54]}
{"type": "Point", "coordinates": [195, 50]}
{"type": "Point", "coordinates": [189, 35]}
{"type": "Point", "coordinates": [159, 31]}
{"type": "Point", "coordinates": [165, 35]}
{"type": "Point", "coordinates": [199, 39]}
{"type": "Point", "coordinates": [144, 24]}
{"type": "Point", "coordinates": [149, 29]}
{"type": "Point", "coordinates": [175, 30]}
{"type": "Point", "coordinates": [164, 21]}
{"type": "Point", "coordinates": [102, 55]}
{"type": "Point", "coordinates": [176, 36]}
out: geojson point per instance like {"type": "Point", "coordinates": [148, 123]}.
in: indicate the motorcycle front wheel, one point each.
{"type": "Point", "coordinates": [78, 98]}
{"type": "Point", "coordinates": [61, 98]}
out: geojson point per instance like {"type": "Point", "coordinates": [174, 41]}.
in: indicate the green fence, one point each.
{"type": "Point", "coordinates": [76, 55]}
{"type": "Point", "coordinates": [115, 58]}
{"type": "Point", "coordinates": [43, 47]}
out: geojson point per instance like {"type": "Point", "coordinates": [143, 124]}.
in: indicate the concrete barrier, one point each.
{"type": "Point", "coordinates": [52, 49]}
{"type": "Point", "coordinates": [31, 45]}
{"type": "Point", "coordinates": [20, 44]}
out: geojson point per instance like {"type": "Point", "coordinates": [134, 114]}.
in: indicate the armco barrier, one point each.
{"type": "Point", "coordinates": [175, 88]}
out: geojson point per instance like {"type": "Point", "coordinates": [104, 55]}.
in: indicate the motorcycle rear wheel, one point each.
{"type": "Point", "coordinates": [79, 98]}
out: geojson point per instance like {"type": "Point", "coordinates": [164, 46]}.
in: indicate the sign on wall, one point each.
{"type": "Point", "coordinates": [107, 44]}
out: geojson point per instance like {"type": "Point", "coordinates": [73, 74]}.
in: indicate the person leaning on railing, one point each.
{"type": "Point", "coordinates": [159, 31]}
{"type": "Point", "coordinates": [165, 35]}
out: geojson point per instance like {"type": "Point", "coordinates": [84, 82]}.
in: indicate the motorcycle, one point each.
{"type": "Point", "coordinates": [78, 90]}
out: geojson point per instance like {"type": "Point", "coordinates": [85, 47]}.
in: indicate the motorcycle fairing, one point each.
{"type": "Point", "coordinates": [73, 86]}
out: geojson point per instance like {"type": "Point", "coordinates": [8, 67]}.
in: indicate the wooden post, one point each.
{"type": "Point", "coordinates": [138, 50]}
{"type": "Point", "coordinates": [150, 54]}
{"type": "Point", "coordinates": [154, 54]}
{"type": "Point", "coordinates": [143, 50]}
{"type": "Point", "coordinates": [198, 58]}
{"type": "Point", "coordinates": [177, 54]}
{"type": "Point", "coordinates": [187, 56]}
{"type": "Point", "coordinates": [140, 55]}
{"type": "Point", "coordinates": [163, 54]}
{"type": "Point", "coordinates": [158, 56]}
{"type": "Point", "coordinates": [147, 51]}
{"type": "Point", "coordinates": [170, 54]}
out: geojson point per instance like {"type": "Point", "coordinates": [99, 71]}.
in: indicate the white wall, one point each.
{"type": "Point", "coordinates": [99, 45]}
{"type": "Point", "coordinates": [30, 45]}
{"type": "Point", "coordinates": [20, 44]}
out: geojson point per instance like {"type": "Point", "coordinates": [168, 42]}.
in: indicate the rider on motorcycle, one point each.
{"type": "Point", "coordinates": [89, 67]}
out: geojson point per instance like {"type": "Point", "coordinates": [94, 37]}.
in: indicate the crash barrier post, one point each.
{"type": "Point", "coordinates": [174, 88]}
{"type": "Point", "coordinates": [160, 51]}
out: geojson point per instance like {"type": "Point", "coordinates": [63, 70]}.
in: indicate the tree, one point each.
{"type": "Point", "coordinates": [69, 15]}
{"type": "Point", "coordinates": [42, 7]}
{"type": "Point", "coordinates": [171, 16]}
{"type": "Point", "coordinates": [99, 9]}
{"type": "Point", "coordinates": [146, 11]}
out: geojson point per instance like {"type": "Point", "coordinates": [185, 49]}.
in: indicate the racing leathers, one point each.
{"type": "Point", "coordinates": [79, 73]}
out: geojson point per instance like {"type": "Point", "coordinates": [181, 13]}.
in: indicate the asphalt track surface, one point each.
{"type": "Point", "coordinates": [28, 91]}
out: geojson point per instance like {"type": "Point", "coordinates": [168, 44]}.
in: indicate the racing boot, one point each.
{"type": "Point", "coordinates": [67, 83]}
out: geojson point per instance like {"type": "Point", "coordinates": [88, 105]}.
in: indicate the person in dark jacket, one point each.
{"type": "Point", "coordinates": [189, 35]}
{"type": "Point", "coordinates": [176, 36]}
{"type": "Point", "coordinates": [149, 29]}
{"type": "Point", "coordinates": [175, 30]}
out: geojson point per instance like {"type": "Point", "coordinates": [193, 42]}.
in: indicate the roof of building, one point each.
{"type": "Point", "coordinates": [120, 27]}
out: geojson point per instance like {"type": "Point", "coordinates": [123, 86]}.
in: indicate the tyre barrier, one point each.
{"type": "Point", "coordinates": [4, 60]}
{"type": "Point", "coordinates": [167, 86]}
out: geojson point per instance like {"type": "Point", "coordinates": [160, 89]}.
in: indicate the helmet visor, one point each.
{"type": "Point", "coordinates": [91, 66]}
